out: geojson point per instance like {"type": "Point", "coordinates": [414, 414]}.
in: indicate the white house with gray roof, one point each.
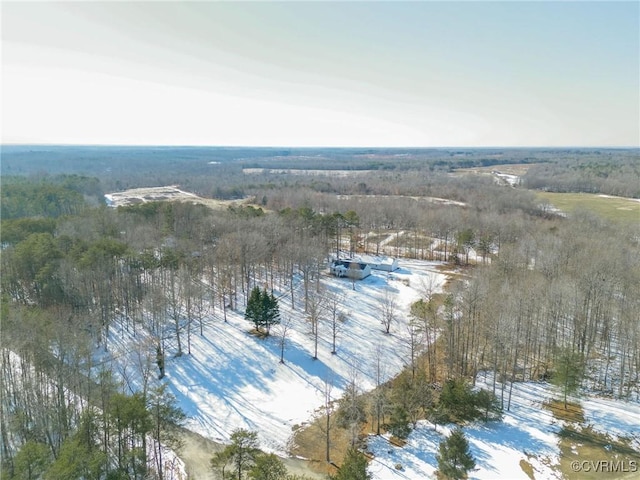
{"type": "Point", "coordinates": [350, 269]}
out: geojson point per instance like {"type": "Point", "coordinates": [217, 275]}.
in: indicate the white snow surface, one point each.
{"type": "Point", "coordinates": [512, 180]}
{"type": "Point", "coordinates": [527, 432]}
{"type": "Point", "coordinates": [233, 379]}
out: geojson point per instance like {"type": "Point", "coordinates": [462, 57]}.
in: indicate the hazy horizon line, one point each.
{"type": "Point", "coordinates": [335, 147]}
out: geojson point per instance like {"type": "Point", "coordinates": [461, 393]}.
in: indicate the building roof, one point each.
{"type": "Point", "coordinates": [376, 260]}
{"type": "Point", "coordinates": [349, 263]}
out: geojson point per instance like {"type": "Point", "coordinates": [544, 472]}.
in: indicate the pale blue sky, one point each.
{"type": "Point", "coordinates": [322, 73]}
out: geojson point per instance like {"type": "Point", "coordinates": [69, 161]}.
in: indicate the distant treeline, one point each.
{"type": "Point", "coordinates": [48, 197]}
{"type": "Point", "coordinates": [610, 172]}
{"type": "Point", "coordinates": [218, 171]}
{"type": "Point", "coordinates": [118, 161]}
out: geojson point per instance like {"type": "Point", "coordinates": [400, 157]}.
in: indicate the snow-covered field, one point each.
{"type": "Point", "coordinates": [528, 432]}
{"type": "Point", "coordinates": [512, 180]}
{"type": "Point", "coordinates": [137, 196]}
{"type": "Point", "coordinates": [233, 379]}
{"type": "Point", "coordinates": [150, 194]}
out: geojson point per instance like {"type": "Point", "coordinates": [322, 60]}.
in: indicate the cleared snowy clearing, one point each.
{"type": "Point", "coordinates": [234, 379]}
{"type": "Point", "coordinates": [136, 196]}
{"type": "Point", "coordinates": [150, 194]}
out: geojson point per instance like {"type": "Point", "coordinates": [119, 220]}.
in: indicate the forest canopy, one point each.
{"type": "Point", "coordinates": [533, 287]}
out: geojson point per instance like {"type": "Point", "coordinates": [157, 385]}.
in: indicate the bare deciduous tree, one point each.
{"type": "Point", "coordinates": [388, 310]}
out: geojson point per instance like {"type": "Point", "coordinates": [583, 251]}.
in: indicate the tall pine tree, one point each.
{"type": "Point", "coordinates": [354, 467]}
{"type": "Point", "coordinates": [262, 309]}
{"type": "Point", "coordinates": [568, 372]}
{"type": "Point", "coordinates": [454, 458]}
{"type": "Point", "coordinates": [271, 311]}
{"type": "Point", "coordinates": [253, 313]}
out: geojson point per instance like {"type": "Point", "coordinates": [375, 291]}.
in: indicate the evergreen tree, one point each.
{"type": "Point", "coordinates": [130, 422]}
{"type": "Point", "coordinates": [253, 312]}
{"type": "Point", "coordinates": [399, 423]}
{"type": "Point", "coordinates": [268, 467]}
{"type": "Point", "coordinates": [220, 462]}
{"type": "Point", "coordinates": [262, 310]}
{"type": "Point", "coordinates": [454, 458]}
{"type": "Point", "coordinates": [242, 454]}
{"type": "Point", "coordinates": [457, 399]}
{"type": "Point", "coordinates": [166, 418]}
{"type": "Point", "coordinates": [31, 461]}
{"type": "Point", "coordinates": [568, 372]}
{"type": "Point", "coordinates": [459, 402]}
{"type": "Point", "coordinates": [76, 460]}
{"type": "Point", "coordinates": [437, 416]}
{"type": "Point", "coordinates": [488, 405]}
{"type": "Point", "coordinates": [271, 311]}
{"type": "Point", "coordinates": [354, 467]}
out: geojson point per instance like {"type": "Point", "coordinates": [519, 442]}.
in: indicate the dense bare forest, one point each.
{"type": "Point", "coordinates": [603, 172]}
{"type": "Point", "coordinates": [539, 295]}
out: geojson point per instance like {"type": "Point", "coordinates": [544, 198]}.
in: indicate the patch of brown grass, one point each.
{"type": "Point", "coordinates": [309, 441]}
{"type": "Point", "coordinates": [397, 442]}
{"type": "Point", "coordinates": [453, 273]}
{"type": "Point", "coordinates": [573, 412]}
{"type": "Point", "coordinates": [581, 444]}
{"type": "Point", "coordinates": [527, 468]}
{"type": "Point", "coordinates": [258, 333]}
{"type": "Point", "coordinates": [617, 209]}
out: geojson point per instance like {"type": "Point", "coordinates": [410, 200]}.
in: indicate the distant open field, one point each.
{"type": "Point", "coordinates": [510, 169]}
{"type": "Point", "coordinates": [507, 174]}
{"type": "Point", "coordinates": [612, 208]}
{"type": "Point", "coordinates": [303, 171]}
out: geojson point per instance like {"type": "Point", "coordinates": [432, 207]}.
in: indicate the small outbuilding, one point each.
{"type": "Point", "coordinates": [350, 269]}
{"type": "Point", "coordinates": [386, 264]}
